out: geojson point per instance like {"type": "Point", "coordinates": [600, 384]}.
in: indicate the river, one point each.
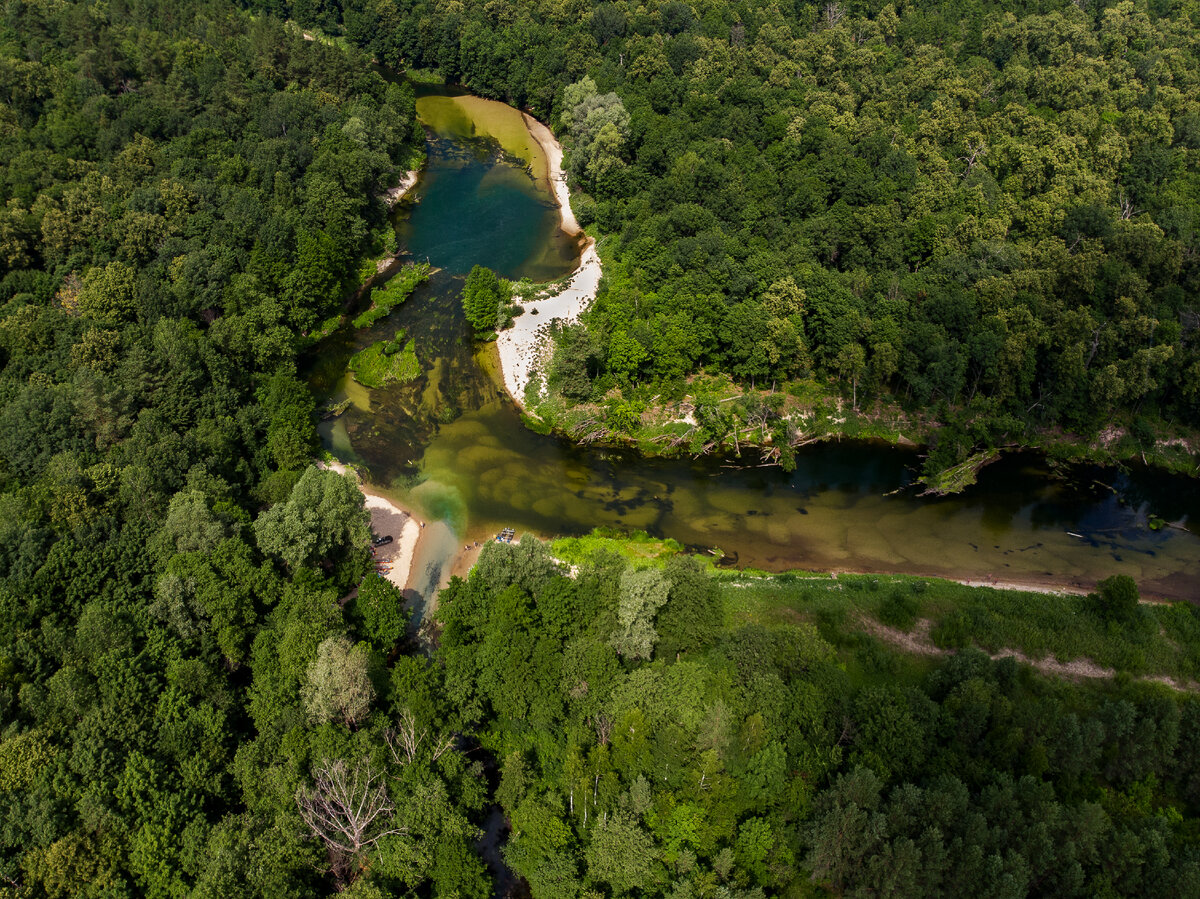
{"type": "Point", "coordinates": [451, 444]}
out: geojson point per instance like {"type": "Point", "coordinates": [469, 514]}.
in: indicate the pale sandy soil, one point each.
{"type": "Point", "coordinates": [523, 347]}
{"type": "Point", "coordinates": [1028, 587]}
{"type": "Point", "coordinates": [918, 642]}
{"type": "Point", "coordinates": [394, 195]}
{"type": "Point", "coordinates": [391, 197]}
{"type": "Point", "coordinates": [389, 519]}
{"type": "Point", "coordinates": [553, 152]}
{"type": "Point", "coordinates": [465, 560]}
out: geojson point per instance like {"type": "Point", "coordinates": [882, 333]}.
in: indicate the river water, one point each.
{"type": "Point", "coordinates": [452, 444]}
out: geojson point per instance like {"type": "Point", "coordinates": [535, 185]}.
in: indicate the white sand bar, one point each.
{"type": "Point", "coordinates": [394, 195]}
{"type": "Point", "coordinates": [558, 180]}
{"type": "Point", "coordinates": [525, 347]}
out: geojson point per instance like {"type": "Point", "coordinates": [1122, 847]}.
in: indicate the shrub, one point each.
{"type": "Point", "coordinates": [899, 611]}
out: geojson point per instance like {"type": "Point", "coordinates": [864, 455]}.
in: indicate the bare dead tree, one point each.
{"type": "Point", "coordinates": [1092, 351]}
{"type": "Point", "coordinates": [759, 416]}
{"type": "Point", "coordinates": [848, 731]}
{"type": "Point", "coordinates": [976, 150]}
{"type": "Point", "coordinates": [349, 810]}
{"type": "Point", "coordinates": [440, 749]}
{"type": "Point", "coordinates": [604, 728]}
{"type": "Point", "coordinates": [403, 739]}
{"type": "Point", "coordinates": [1128, 210]}
{"type": "Point", "coordinates": [834, 13]}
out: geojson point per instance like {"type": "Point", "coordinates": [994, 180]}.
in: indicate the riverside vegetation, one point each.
{"type": "Point", "coordinates": [980, 217]}
{"type": "Point", "coordinates": [385, 362]}
{"type": "Point", "coordinates": [193, 700]}
{"type": "Point", "coordinates": [663, 730]}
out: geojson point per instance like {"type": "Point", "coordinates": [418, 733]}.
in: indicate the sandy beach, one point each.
{"type": "Point", "coordinates": [394, 195]}
{"type": "Point", "coordinates": [524, 348]}
{"type": "Point", "coordinates": [1050, 585]}
{"type": "Point", "coordinates": [388, 520]}
{"type": "Point", "coordinates": [558, 182]}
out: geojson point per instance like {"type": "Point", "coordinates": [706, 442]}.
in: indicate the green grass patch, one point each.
{"type": "Point", "coordinates": [382, 243]}
{"type": "Point", "coordinates": [835, 610]}
{"type": "Point", "coordinates": [386, 362]}
{"type": "Point", "coordinates": [398, 289]}
{"type": "Point", "coordinates": [1162, 640]}
{"type": "Point", "coordinates": [642, 550]}
{"type": "Point", "coordinates": [425, 76]}
{"type": "Point", "coordinates": [320, 332]}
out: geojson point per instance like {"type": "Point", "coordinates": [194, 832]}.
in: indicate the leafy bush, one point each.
{"type": "Point", "coordinates": [485, 300]}
{"type": "Point", "coordinates": [899, 610]}
{"type": "Point", "coordinates": [397, 289]}
{"type": "Point", "coordinates": [386, 362]}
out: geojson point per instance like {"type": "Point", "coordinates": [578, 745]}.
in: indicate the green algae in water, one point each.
{"type": "Point", "coordinates": [466, 117]}
{"type": "Point", "coordinates": [485, 198]}
{"type": "Point", "coordinates": [386, 362]}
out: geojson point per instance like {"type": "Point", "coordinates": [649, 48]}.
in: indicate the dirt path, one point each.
{"type": "Point", "coordinates": [919, 642]}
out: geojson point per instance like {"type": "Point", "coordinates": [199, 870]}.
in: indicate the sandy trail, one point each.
{"type": "Point", "coordinates": [1023, 587]}
{"type": "Point", "coordinates": [919, 641]}
{"type": "Point", "coordinates": [388, 520]}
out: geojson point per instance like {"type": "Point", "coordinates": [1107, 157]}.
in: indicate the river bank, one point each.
{"type": "Point", "coordinates": [395, 559]}
{"type": "Point", "coordinates": [553, 152]}
{"type": "Point", "coordinates": [754, 427]}
{"type": "Point", "coordinates": [525, 348]}
{"type": "Point", "coordinates": [393, 195]}
{"type": "Point", "coordinates": [1049, 627]}
{"type": "Point", "coordinates": [849, 503]}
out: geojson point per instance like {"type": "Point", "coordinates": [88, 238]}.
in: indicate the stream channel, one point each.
{"type": "Point", "coordinates": [451, 445]}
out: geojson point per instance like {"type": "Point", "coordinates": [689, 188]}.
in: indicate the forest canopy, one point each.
{"type": "Point", "coordinates": [203, 690]}
{"type": "Point", "coordinates": [989, 210]}
{"type": "Point", "coordinates": [184, 190]}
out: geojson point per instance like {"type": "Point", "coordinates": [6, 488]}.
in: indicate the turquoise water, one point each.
{"type": "Point", "coordinates": [477, 209]}
{"type": "Point", "coordinates": [452, 444]}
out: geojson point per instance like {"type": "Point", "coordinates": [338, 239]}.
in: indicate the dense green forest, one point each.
{"type": "Point", "coordinates": [184, 188]}
{"type": "Point", "coordinates": [987, 212]}
{"type": "Point", "coordinates": [661, 733]}
{"type": "Point", "coordinates": [203, 692]}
